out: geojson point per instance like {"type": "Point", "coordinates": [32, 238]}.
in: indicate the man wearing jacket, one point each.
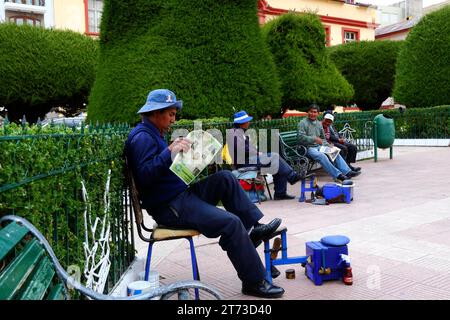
{"type": "Point", "coordinates": [245, 154]}
{"type": "Point", "coordinates": [312, 136]}
{"type": "Point", "coordinates": [170, 202]}
{"type": "Point", "coordinates": [348, 150]}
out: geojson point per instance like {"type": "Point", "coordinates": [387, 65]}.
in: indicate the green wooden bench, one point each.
{"type": "Point", "coordinates": [29, 270]}
{"type": "Point", "coordinates": [294, 153]}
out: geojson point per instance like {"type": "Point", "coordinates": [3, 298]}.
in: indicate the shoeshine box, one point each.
{"type": "Point", "coordinates": [324, 260]}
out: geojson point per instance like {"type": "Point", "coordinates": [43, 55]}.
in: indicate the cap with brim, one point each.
{"type": "Point", "coordinates": [242, 117]}
{"type": "Point", "coordinates": [329, 116]}
{"type": "Point", "coordinates": [160, 99]}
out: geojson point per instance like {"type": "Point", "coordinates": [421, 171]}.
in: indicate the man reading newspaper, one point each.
{"type": "Point", "coordinates": [312, 136]}
{"type": "Point", "coordinates": [172, 203]}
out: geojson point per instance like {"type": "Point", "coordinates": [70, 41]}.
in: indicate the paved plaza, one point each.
{"type": "Point", "coordinates": [398, 223]}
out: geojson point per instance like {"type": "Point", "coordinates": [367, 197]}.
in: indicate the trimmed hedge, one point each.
{"type": "Point", "coordinates": [370, 67]}
{"type": "Point", "coordinates": [210, 53]}
{"type": "Point", "coordinates": [40, 179]}
{"type": "Point", "coordinates": [44, 68]}
{"type": "Point", "coordinates": [423, 69]}
{"type": "Point", "coordinates": [306, 72]}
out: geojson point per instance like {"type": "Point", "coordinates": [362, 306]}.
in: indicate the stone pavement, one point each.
{"type": "Point", "coordinates": [398, 223]}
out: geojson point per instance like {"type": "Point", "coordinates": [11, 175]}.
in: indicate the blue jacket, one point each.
{"type": "Point", "coordinates": [150, 159]}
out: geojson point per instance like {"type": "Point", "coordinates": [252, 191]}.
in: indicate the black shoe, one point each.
{"type": "Point", "coordinates": [262, 289]}
{"type": "Point", "coordinates": [274, 271]}
{"type": "Point", "coordinates": [283, 197]}
{"type": "Point", "coordinates": [352, 174]}
{"type": "Point", "coordinates": [357, 169]}
{"type": "Point", "coordinates": [296, 178]}
{"type": "Point", "coordinates": [263, 231]}
{"type": "Point", "coordinates": [341, 178]}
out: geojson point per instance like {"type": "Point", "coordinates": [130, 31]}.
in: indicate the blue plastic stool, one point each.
{"type": "Point", "coordinates": [303, 188]}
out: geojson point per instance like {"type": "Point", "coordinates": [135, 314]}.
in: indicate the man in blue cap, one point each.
{"type": "Point", "coordinates": [244, 154]}
{"type": "Point", "coordinates": [170, 202]}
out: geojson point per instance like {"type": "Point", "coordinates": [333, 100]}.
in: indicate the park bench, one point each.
{"type": "Point", "coordinates": [29, 270]}
{"type": "Point", "coordinates": [294, 153]}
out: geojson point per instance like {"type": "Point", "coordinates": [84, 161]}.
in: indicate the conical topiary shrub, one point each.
{"type": "Point", "coordinates": [423, 67]}
{"type": "Point", "coordinates": [297, 42]}
{"type": "Point", "coordinates": [210, 53]}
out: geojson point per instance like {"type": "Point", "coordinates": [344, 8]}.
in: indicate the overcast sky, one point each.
{"type": "Point", "coordinates": [426, 3]}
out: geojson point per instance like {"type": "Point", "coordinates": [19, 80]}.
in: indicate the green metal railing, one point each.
{"type": "Point", "coordinates": [422, 123]}
{"type": "Point", "coordinates": [41, 170]}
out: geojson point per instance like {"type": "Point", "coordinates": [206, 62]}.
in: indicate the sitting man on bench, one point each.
{"type": "Point", "coordinates": [312, 136]}
{"type": "Point", "coordinates": [348, 150]}
{"type": "Point", "coordinates": [172, 203]}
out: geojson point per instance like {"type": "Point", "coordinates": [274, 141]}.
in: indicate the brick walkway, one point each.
{"type": "Point", "coordinates": [398, 223]}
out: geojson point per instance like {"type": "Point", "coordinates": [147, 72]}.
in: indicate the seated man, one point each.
{"type": "Point", "coordinates": [172, 203]}
{"type": "Point", "coordinates": [312, 136]}
{"type": "Point", "coordinates": [244, 154]}
{"type": "Point", "coordinates": [348, 150]}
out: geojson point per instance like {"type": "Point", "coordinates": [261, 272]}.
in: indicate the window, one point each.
{"type": "Point", "coordinates": [350, 35]}
{"type": "Point", "coordinates": [20, 20]}
{"type": "Point", "coordinates": [94, 15]}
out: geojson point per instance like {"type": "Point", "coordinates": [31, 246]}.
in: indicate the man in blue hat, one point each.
{"type": "Point", "coordinates": [244, 154]}
{"type": "Point", "coordinates": [170, 202]}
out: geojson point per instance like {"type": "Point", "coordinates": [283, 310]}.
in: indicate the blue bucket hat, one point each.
{"type": "Point", "coordinates": [242, 117]}
{"type": "Point", "coordinates": [160, 99]}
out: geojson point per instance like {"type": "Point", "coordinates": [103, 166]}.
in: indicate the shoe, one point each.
{"type": "Point", "coordinates": [296, 178]}
{"type": "Point", "coordinates": [274, 271]}
{"type": "Point", "coordinates": [263, 231]}
{"type": "Point", "coordinates": [341, 178]}
{"type": "Point", "coordinates": [352, 174]}
{"type": "Point", "coordinates": [357, 169]}
{"type": "Point", "coordinates": [262, 289]}
{"type": "Point", "coordinates": [283, 197]}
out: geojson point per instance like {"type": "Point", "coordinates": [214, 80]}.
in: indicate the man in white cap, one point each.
{"type": "Point", "coordinates": [348, 150]}
{"type": "Point", "coordinates": [170, 202]}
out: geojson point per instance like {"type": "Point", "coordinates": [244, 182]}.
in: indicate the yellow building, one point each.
{"type": "Point", "coordinates": [343, 20]}
{"type": "Point", "coordinates": [78, 15]}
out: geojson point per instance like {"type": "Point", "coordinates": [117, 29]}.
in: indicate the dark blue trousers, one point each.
{"type": "Point", "coordinates": [196, 208]}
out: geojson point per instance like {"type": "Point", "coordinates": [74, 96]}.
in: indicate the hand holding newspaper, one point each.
{"type": "Point", "coordinates": [331, 152]}
{"type": "Point", "coordinates": [188, 165]}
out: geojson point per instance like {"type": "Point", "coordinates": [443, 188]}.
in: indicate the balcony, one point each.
{"type": "Point", "coordinates": [29, 6]}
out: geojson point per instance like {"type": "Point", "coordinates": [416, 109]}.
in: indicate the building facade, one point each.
{"type": "Point", "coordinates": [343, 20]}
{"type": "Point", "coordinates": [77, 15]}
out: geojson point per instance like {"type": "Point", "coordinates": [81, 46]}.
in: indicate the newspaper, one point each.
{"type": "Point", "coordinates": [331, 152]}
{"type": "Point", "coordinates": [188, 165]}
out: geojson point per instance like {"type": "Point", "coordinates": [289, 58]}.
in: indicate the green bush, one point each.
{"type": "Point", "coordinates": [370, 67]}
{"type": "Point", "coordinates": [306, 72]}
{"type": "Point", "coordinates": [210, 53]}
{"type": "Point", "coordinates": [41, 170]}
{"type": "Point", "coordinates": [43, 68]}
{"type": "Point", "coordinates": [423, 70]}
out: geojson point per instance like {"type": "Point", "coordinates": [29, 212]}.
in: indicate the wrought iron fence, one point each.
{"type": "Point", "coordinates": [41, 175]}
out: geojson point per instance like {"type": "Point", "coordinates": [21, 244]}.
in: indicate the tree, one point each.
{"type": "Point", "coordinates": [306, 72]}
{"type": "Point", "coordinates": [370, 67]}
{"type": "Point", "coordinates": [42, 69]}
{"type": "Point", "coordinates": [423, 71]}
{"type": "Point", "coordinates": [210, 53]}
